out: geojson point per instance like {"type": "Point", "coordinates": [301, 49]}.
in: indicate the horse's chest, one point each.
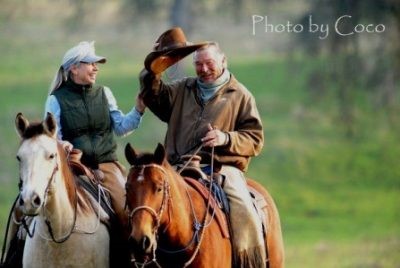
{"type": "Point", "coordinates": [72, 253]}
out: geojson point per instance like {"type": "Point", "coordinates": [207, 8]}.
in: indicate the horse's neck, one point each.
{"type": "Point", "coordinates": [59, 209]}
{"type": "Point", "coordinates": [183, 205]}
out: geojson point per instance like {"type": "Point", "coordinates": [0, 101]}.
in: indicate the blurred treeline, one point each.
{"type": "Point", "coordinates": [346, 66]}
{"type": "Point", "coordinates": [360, 63]}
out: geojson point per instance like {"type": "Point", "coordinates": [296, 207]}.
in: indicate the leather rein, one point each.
{"type": "Point", "coordinates": [199, 227]}
{"type": "Point", "coordinates": [48, 223]}
{"type": "Point", "coordinates": [73, 228]}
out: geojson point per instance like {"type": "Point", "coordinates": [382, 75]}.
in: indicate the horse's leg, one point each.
{"type": "Point", "coordinates": [273, 239]}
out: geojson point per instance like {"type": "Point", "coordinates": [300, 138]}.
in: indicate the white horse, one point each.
{"type": "Point", "coordinates": [66, 230]}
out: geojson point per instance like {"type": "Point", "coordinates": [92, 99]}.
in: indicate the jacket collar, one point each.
{"type": "Point", "coordinates": [77, 87]}
{"type": "Point", "coordinates": [232, 85]}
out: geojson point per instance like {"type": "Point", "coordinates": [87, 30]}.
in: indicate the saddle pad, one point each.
{"type": "Point", "coordinates": [219, 215]}
{"type": "Point", "coordinates": [93, 190]}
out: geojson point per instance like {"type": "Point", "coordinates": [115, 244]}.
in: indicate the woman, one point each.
{"type": "Point", "coordinates": [87, 117]}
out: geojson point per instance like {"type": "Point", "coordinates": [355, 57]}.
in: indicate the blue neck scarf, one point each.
{"type": "Point", "coordinates": [208, 90]}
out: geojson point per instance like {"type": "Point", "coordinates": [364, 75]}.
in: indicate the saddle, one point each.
{"type": "Point", "coordinates": [196, 178]}
{"type": "Point", "coordinates": [90, 180]}
{"type": "Point", "coordinates": [219, 215]}
{"type": "Point", "coordinates": [79, 169]}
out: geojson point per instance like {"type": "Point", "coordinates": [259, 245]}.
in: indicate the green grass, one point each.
{"type": "Point", "coordinates": [338, 197]}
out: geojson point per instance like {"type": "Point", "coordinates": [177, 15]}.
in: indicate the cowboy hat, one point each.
{"type": "Point", "coordinates": [169, 48]}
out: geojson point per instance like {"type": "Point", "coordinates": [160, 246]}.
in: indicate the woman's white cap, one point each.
{"type": "Point", "coordinates": [83, 52]}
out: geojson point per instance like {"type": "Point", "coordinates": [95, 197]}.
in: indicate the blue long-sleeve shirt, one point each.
{"type": "Point", "coordinates": [122, 124]}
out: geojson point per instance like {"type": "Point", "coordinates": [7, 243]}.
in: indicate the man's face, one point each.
{"type": "Point", "coordinates": [209, 65]}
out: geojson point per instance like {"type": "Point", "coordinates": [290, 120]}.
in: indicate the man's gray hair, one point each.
{"type": "Point", "coordinates": [215, 47]}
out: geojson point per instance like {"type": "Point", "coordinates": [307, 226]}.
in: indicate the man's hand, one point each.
{"type": "Point", "coordinates": [215, 137]}
{"type": "Point", "coordinates": [140, 106]}
{"type": "Point", "coordinates": [149, 80]}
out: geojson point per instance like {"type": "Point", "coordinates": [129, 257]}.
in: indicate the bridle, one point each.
{"type": "Point", "coordinates": [48, 223]}
{"type": "Point", "coordinates": [166, 196]}
{"type": "Point", "coordinates": [156, 215]}
{"type": "Point", "coordinates": [199, 227]}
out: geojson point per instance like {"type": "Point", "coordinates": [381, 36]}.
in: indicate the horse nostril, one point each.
{"type": "Point", "coordinates": [21, 201]}
{"type": "Point", "coordinates": [145, 243]}
{"type": "Point", "coordinates": [36, 201]}
{"type": "Point", "coordinates": [142, 245]}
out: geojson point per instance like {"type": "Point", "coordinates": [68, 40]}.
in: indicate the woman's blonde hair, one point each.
{"type": "Point", "coordinates": [60, 77]}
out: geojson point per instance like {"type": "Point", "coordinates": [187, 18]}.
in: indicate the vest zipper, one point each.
{"type": "Point", "coordinates": [84, 90]}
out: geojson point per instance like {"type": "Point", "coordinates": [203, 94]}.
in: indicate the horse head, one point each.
{"type": "Point", "coordinates": [147, 197]}
{"type": "Point", "coordinates": [38, 161]}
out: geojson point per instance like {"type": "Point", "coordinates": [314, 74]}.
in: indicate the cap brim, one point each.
{"type": "Point", "coordinates": [93, 59]}
{"type": "Point", "coordinates": [159, 61]}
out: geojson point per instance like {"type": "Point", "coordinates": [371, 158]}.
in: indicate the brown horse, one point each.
{"type": "Point", "coordinates": [172, 225]}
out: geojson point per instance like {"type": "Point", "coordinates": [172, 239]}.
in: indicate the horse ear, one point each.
{"type": "Point", "coordinates": [50, 124]}
{"type": "Point", "coordinates": [159, 154]}
{"type": "Point", "coordinates": [21, 124]}
{"type": "Point", "coordinates": [130, 154]}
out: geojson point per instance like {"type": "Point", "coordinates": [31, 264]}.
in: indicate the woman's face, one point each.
{"type": "Point", "coordinates": [84, 73]}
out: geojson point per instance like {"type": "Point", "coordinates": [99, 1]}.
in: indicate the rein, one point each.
{"type": "Point", "coordinates": [23, 221]}
{"type": "Point", "coordinates": [73, 228]}
{"type": "Point", "coordinates": [204, 225]}
{"type": "Point", "coordinates": [10, 215]}
{"type": "Point", "coordinates": [156, 215]}
{"type": "Point", "coordinates": [48, 223]}
{"type": "Point", "coordinates": [199, 228]}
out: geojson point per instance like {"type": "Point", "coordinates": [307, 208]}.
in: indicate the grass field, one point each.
{"type": "Point", "coordinates": [339, 197]}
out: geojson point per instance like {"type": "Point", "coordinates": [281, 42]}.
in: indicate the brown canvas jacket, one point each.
{"type": "Point", "coordinates": [232, 110]}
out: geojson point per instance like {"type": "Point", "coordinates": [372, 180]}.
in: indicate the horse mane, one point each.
{"type": "Point", "coordinates": [70, 182]}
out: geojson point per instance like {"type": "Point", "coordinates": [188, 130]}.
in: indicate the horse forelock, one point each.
{"type": "Point", "coordinates": [144, 159]}
{"type": "Point", "coordinates": [33, 130]}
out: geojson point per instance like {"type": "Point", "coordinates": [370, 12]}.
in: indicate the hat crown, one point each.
{"type": "Point", "coordinates": [168, 49]}
{"type": "Point", "coordinates": [84, 51]}
{"type": "Point", "coordinates": [171, 39]}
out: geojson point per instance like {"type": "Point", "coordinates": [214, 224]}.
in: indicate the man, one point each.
{"type": "Point", "coordinates": [216, 110]}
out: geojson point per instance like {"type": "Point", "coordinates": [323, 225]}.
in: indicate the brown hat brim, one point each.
{"type": "Point", "coordinates": [159, 61]}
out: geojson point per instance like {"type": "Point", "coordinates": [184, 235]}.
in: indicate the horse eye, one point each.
{"type": "Point", "coordinates": [18, 158]}
{"type": "Point", "coordinates": [52, 156]}
{"type": "Point", "coordinates": [159, 189]}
